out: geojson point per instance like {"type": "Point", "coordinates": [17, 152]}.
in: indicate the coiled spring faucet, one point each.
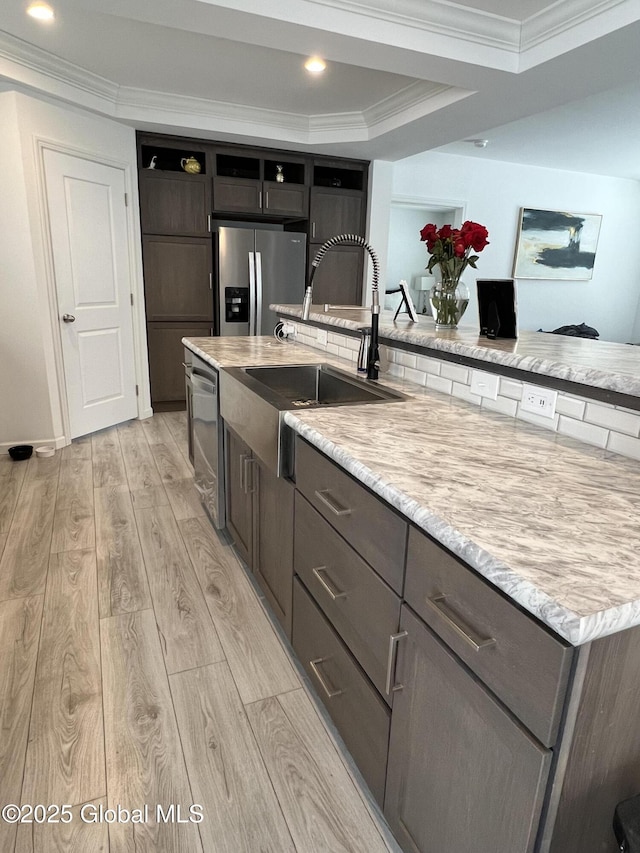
{"type": "Point", "coordinates": [373, 364]}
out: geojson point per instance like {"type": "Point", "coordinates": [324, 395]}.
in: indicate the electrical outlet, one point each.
{"type": "Point", "coordinates": [484, 384]}
{"type": "Point", "coordinates": [539, 401]}
{"type": "Point", "coordinates": [321, 337]}
{"type": "Point", "coordinates": [290, 329]}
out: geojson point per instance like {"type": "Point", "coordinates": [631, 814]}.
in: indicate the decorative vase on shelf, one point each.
{"type": "Point", "coordinates": [449, 300]}
{"type": "Point", "coordinates": [279, 175]}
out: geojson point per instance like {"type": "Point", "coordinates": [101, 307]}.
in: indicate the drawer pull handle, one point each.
{"type": "Point", "coordinates": [394, 639]}
{"type": "Point", "coordinates": [439, 604]}
{"type": "Point", "coordinates": [315, 666]}
{"type": "Point", "coordinates": [329, 501]}
{"type": "Point", "coordinates": [328, 584]}
{"type": "Point", "coordinates": [247, 464]}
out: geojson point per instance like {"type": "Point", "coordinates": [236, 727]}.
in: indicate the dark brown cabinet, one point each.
{"type": "Point", "coordinates": [260, 522]}
{"type": "Point", "coordinates": [463, 774]}
{"type": "Point", "coordinates": [239, 480]}
{"type": "Point", "coordinates": [166, 373]}
{"type": "Point", "coordinates": [359, 713]}
{"type": "Point", "coordinates": [178, 279]}
{"type": "Point", "coordinates": [338, 205]}
{"type": "Point", "coordinates": [335, 211]}
{"type": "Point", "coordinates": [339, 278]}
{"type": "Point", "coordinates": [250, 185]}
{"type": "Point", "coordinates": [179, 209]}
{"type": "Point", "coordinates": [175, 203]}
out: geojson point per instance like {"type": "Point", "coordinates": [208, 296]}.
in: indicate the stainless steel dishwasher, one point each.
{"type": "Point", "coordinates": [208, 454]}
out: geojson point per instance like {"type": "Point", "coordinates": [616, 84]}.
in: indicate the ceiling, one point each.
{"type": "Point", "coordinates": [545, 83]}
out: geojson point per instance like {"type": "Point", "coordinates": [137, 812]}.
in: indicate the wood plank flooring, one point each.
{"type": "Point", "coordinates": [139, 667]}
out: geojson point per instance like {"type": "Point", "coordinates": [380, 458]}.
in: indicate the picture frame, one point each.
{"type": "Point", "coordinates": [406, 301]}
{"type": "Point", "coordinates": [556, 245]}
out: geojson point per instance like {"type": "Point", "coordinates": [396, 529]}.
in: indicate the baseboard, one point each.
{"type": "Point", "coordinates": [34, 442]}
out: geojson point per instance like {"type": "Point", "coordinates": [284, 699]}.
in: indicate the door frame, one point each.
{"type": "Point", "coordinates": [134, 252]}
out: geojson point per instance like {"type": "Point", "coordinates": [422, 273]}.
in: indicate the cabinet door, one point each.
{"type": "Point", "coordinates": [166, 373]}
{"type": "Point", "coordinates": [273, 547]}
{"type": "Point", "coordinates": [177, 279]}
{"type": "Point", "coordinates": [462, 774]}
{"type": "Point", "coordinates": [237, 195]}
{"type": "Point", "coordinates": [334, 211]}
{"type": "Point", "coordinates": [239, 494]}
{"type": "Point", "coordinates": [175, 205]}
{"type": "Point", "coordinates": [338, 279]}
{"type": "Point", "coordinates": [285, 199]}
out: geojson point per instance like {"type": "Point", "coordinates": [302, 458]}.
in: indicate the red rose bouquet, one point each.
{"type": "Point", "coordinates": [452, 250]}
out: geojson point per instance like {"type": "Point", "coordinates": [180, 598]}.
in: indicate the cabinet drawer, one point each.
{"type": "Point", "coordinates": [525, 665]}
{"type": "Point", "coordinates": [359, 605]}
{"type": "Point", "coordinates": [360, 715]}
{"type": "Point", "coordinates": [373, 529]}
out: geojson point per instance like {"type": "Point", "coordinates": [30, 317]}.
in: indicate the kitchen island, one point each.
{"type": "Point", "coordinates": [549, 523]}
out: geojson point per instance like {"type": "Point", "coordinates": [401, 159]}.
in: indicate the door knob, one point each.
{"type": "Point", "coordinates": [68, 318]}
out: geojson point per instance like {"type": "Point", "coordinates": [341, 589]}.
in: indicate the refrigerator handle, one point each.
{"type": "Point", "coordinates": [258, 293]}
{"type": "Point", "coordinates": [252, 294]}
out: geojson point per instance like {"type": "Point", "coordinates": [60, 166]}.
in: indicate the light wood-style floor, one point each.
{"type": "Point", "coordinates": [138, 666]}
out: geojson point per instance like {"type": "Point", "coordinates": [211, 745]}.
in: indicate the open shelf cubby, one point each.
{"type": "Point", "coordinates": [169, 159]}
{"type": "Point", "coordinates": [293, 173]}
{"type": "Point", "coordinates": [346, 179]}
{"type": "Point", "coordinates": [232, 166]}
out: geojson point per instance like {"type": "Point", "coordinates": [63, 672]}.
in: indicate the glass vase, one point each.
{"type": "Point", "coordinates": [449, 300]}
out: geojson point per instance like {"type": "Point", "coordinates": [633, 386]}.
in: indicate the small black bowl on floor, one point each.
{"type": "Point", "coordinates": [20, 451]}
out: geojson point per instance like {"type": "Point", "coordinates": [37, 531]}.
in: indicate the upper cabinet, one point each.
{"type": "Point", "coordinates": [175, 190]}
{"type": "Point", "coordinates": [338, 199]}
{"type": "Point", "coordinates": [260, 186]}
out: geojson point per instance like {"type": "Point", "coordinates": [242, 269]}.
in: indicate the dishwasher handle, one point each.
{"type": "Point", "coordinates": [208, 384]}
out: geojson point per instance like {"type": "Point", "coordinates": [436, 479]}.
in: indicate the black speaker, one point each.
{"type": "Point", "coordinates": [497, 307]}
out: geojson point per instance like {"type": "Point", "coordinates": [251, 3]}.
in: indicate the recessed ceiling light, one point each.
{"type": "Point", "coordinates": [41, 11]}
{"type": "Point", "coordinates": [315, 65]}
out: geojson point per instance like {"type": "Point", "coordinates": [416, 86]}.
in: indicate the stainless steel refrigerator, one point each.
{"type": "Point", "coordinates": [255, 268]}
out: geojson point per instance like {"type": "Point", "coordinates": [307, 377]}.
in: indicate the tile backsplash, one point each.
{"type": "Point", "coordinates": [610, 427]}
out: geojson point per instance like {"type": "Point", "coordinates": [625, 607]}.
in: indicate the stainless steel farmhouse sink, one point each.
{"type": "Point", "coordinates": [253, 401]}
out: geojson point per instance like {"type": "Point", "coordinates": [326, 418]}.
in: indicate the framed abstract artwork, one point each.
{"type": "Point", "coordinates": [553, 244]}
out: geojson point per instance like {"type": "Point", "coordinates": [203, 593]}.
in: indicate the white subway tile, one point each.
{"type": "Point", "coordinates": [439, 384]}
{"type": "Point", "coordinates": [455, 372]}
{"type": "Point", "coordinates": [429, 365]}
{"type": "Point", "coordinates": [532, 418]}
{"type": "Point", "coordinates": [614, 419]}
{"type": "Point", "coordinates": [510, 388]}
{"type": "Point", "coordinates": [346, 353]}
{"type": "Point", "coordinates": [334, 339]}
{"type": "Point", "coordinates": [407, 359]}
{"type": "Point", "coordinates": [624, 444]}
{"type": "Point", "coordinates": [417, 376]}
{"type": "Point", "coordinates": [501, 404]}
{"type": "Point", "coordinates": [588, 433]}
{"type": "Point", "coordinates": [573, 407]}
{"type": "Point", "coordinates": [351, 343]}
{"type": "Point", "coordinates": [396, 370]}
{"type": "Point", "coordinates": [332, 348]}
{"type": "Point", "coordinates": [463, 392]}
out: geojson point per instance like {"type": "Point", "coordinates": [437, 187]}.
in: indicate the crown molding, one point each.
{"type": "Point", "coordinates": [565, 15]}
{"type": "Point", "coordinates": [29, 65]}
{"type": "Point", "coordinates": [414, 101]}
{"type": "Point", "coordinates": [440, 17]}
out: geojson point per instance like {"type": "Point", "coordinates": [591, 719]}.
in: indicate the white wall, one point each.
{"type": "Point", "coordinates": [25, 410]}
{"type": "Point", "coordinates": [31, 409]}
{"type": "Point", "coordinates": [495, 191]}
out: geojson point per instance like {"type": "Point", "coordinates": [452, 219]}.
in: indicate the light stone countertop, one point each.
{"type": "Point", "coordinates": [599, 364]}
{"type": "Point", "coordinates": [551, 522]}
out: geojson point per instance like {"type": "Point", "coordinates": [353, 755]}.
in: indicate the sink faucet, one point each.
{"type": "Point", "coordinates": [373, 364]}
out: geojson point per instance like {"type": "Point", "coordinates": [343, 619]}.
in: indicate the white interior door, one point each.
{"type": "Point", "coordinates": [87, 216]}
